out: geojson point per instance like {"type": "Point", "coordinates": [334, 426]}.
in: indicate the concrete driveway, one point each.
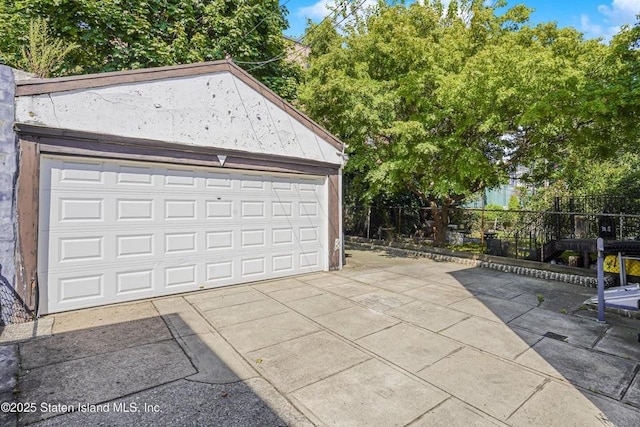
{"type": "Point", "coordinates": [387, 341]}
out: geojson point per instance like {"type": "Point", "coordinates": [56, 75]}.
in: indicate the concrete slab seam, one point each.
{"type": "Point", "coordinates": [284, 396]}
{"type": "Point", "coordinates": [626, 389]}
{"type": "Point", "coordinates": [244, 321]}
{"type": "Point", "coordinates": [462, 320]}
{"type": "Point", "coordinates": [319, 325]}
{"type": "Point", "coordinates": [375, 332]}
{"type": "Point", "coordinates": [182, 345]}
{"type": "Point", "coordinates": [279, 342]}
{"type": "Point", "coordinates": [451, 353]}
{"type": "Point", "coordinates": [526, 349]}
{"type": "Point", "coordinates": [370, 353]}
{"type": "Point", "coordinates": [329, 376]}
{"type": "Point", "coordinates": [520, 315]}
{"type": "Point", "coordinates": [600, 337]}
{"type": "Point", "coordinates": [93, 355]}
{"type": "Point", "coordinates": [430, 410]}
{"type": "Point", "coordinates": [536, 391]}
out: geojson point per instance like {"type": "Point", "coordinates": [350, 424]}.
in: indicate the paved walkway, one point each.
{"type": "Point", "coordinates": [387, 341]}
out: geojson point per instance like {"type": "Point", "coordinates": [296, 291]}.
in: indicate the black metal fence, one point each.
{"type": "Point", "coordinates": [608, 204]}
{"type": "Point", "coordinates": [513, 233]}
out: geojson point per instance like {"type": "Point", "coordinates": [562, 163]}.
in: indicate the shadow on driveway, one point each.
{"type": "Point", "coordinates": [557, 336]}
{"type": "Point", "coordinates": [98, 369]}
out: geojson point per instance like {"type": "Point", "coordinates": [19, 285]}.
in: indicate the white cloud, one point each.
{"type": "Point", "coordinates": [589, 27]}
{"type": "Point", "coordinates": [593, 30]}
{"type": "Point", "coordinates": [315, 11]}
{"type": "Point", "coordinates": [322, 8]}
{"type": "Point", "coordinates": [620, 12]}
{"type": "Point", "coordinates": [611, 18]}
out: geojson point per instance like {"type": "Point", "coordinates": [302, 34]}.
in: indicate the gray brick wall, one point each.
{"type": "Point", "coordinates": [8, 170]}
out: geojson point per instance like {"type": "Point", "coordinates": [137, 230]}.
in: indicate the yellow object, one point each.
{"type": "Point", "coordinates": [611, 265]}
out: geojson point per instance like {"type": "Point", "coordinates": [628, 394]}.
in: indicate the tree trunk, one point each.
{"type": "Point", "coordinates": [441, 218]}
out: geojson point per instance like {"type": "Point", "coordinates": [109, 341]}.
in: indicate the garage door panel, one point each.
{"type": "Point", "coordinates": [219, 240]}
{"type": "Point", "coordinates": [180, 209]}
{"type": "Point", "coordinates": [135, 209]}
{"type": "Point", "coordinates": [282, 235]}
{"type": "Point", "coordinates": [133, 250]}
{"type": "Point", "coordinates": [309, 261]}
{"type": "Point", "coordinates": [71, 252]}
{"type": "Point", "coordinates": [135, 176]}
{"type": "Point", "coordinates": [252, 209]}
{"type": "Point", "coordinates": [180, 276]}
{"type": "Point", "coordinates": [80, 249]}
{"type": "Point", "coordinates": [79, 289]}
{"type": "Point", "coordinates": [307, 185]}
{"type": "Point", "coordinates": [80, 173]}
{"type": "Point", "coordinates": [308, 209]}
{"type": "Point", "coordinates": [80, 209]}
{"type": "Point", "coordinates": [281, 209]}
{"type": "Point", "coordinates": [142, 230]}
{"type": "Point", "coordinates": [135, 245]}
{"type": "Point", "coordinates": [218, 181]}
{"type": "Point", "coordinates": [252, 183]}
{"type": "Point", "coordinates": [253, 266]}
{"type": "Point", "coordinates": [282, 186]}
{"type": "Point", "coordinates": [219, 209]}
{"type": "Point", "coordinates": [134, 281]}
{"type": "Point", "coordinates": [219, 272]}
{"type": "Point", "coordinates": [282, 264]}
{"type": "Point", "coordinates": [308, 235]}
{"type": "Point", "coordinates": [180, 243]}
{"type": "Point", "coordinates": [179, 178]}
{"type": "Point", "coordinates": [253, 238]}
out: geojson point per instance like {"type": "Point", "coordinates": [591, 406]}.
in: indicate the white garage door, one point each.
{"type": "Point", "coordinates": [118, 231]}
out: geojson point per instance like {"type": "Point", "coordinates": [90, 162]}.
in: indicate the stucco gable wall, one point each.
{"type": "Point", "coordinates": [213, 110]}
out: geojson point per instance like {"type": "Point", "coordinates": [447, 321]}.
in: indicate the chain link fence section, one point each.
{"type": "Point", "coordinates": [12, 308]}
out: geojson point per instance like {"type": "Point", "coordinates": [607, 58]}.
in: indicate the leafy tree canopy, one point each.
{"type": "Point", "coordinates": [444, 103]}
{"type": "Point", "coordinates": [43, 54]}
{"type": "Point", "coordinates": [126, 34]}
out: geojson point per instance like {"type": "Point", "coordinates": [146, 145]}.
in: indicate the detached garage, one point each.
{"type": "Point", "coordinates": [152, 182]}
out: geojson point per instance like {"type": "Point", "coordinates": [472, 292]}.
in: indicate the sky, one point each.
{"type": "Point", "coordinates": [595, 18]}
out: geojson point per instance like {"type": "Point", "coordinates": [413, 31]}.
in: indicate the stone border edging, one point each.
{"type": "Point", "coordinates": [535, 269]}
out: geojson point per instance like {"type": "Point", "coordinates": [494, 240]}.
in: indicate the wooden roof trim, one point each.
{"type": "Point", "coordinates": [86, 81]}
{"type": "Point", "coordinates": [45, 133]}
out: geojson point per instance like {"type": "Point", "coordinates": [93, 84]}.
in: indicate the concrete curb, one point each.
{"type": "Point", "coordinates": [535, 269]}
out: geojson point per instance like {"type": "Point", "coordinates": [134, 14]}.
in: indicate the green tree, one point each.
{"type": "Point", "coordinates": [446, 104]}
{"type": "Point", "coordinates": [612, 99]}
{"type": "Point", "coordinates": [514, 203]}
{"type": "Point", "coordinates": [43, 55]}
{"type": "Point", "coordinates": [618, 175]}
{"type": "Point", "coordinates": [128, 34]}
{"type": "Point", "coordinates": [603, 151]}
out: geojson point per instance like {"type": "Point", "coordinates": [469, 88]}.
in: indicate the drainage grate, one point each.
{"type": "Point", "coordinates": [555, 336]}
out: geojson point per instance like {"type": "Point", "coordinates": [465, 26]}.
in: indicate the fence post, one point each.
{"type": "Point", "coordinates": [600, 247]}
{"type": "Point", "coordinates": [621, 225]}
{"type": "Point", "coordinates": [572, 219]}
{"type": "Point", "coordinates": [369, 223]}
{"type": "Point", "coordinates": [482, 240]}
{"type": "Point", "coordinates": [556, 208]}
